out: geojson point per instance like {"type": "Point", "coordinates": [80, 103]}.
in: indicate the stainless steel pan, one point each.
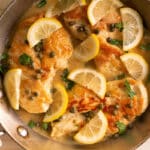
{"type": "Point", "coordinates": [32, 140]}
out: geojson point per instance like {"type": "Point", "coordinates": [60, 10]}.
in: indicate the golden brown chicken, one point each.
{"type": "Point", "coordinates": [38, 64]}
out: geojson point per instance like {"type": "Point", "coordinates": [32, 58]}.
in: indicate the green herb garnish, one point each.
{"type": "Point", "coordinates": [69, 83]}
{"type": "Point", "coordinates": [121, 127]}
{"type": "Point", "coordinates": [4, 63]}
{"type": "Point", "coordinates": [31, 124]}
{"type": "Point", "coordinates": [4, 68]}
{"type": "Point", "coordinates": [130, 92]}
{"type": "Point", "coordinates": [26, 60]}
{"type": "Point", "coordinates": [145, 47]}
{"type": "Point", "coordinates": [121, 76]}
{"type": "Point", "coordinates": [114, 41]}
{"type": "Point", "coordinates": [119, 26]}
{"type": "Point", "coordinates": [114, 26]}
{"type": "Point", "coordinates": [65, 75]}
{"type": "Point", "coordinates": [45, 125]}
{"type": "Point", "coordinates": [41, 3]}
{"type": "Point", "coordinates": [4, 56]}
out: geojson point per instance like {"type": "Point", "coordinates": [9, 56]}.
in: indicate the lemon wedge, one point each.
{"type": "Point", "coordinates": [133, 28]}
{"type": "Point", "coordinates": [90, 79]}
{"type": "Point", "coordinates": [98, 9]}
{"type": "Point", "coordinates": [94, 131]}
{"type": "Point", "coordinates": [59, 105]}
{"type": "Point", "coordinates": [136, 65]}
{"type": "Point", "coordinates": [141, 92]}
{"type": "Point", "coordinates": [42, 29]}
{"type": "Point", "coordinates": [88, 49]}
{"type": "Point", "coordinates": [12, 82]}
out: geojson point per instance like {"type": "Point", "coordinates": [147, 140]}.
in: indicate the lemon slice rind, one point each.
{"type": "Point", "coordinates": [12, 81]}
{"type": "Point", "coordinates": [88, 49]}
{"type": "Point", "coordinates": [99, 86]}
{"type": "Point", "coordinates": [142, 92]}
{"type": "Point", "coordinates": [97, 136]}
{"type": "Point", "coordinates": [62, 107]}
{"type": "Point", "coordinates": [136, 65]}
{"type": "Point", "coordinates": [42, 29]}
{"type": "Point", "coordinates": [133, 28]}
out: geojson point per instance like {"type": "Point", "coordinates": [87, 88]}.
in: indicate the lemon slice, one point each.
{"type": "Point", "coordinates": [94, 131]}
{"type": "Point", "coordinates": [12, 82]}
{"type": "Point", "coordinates": [98, 9]}
{"type": "Point", "coordinates": [136, 65]}
{"type": "Point", "coordinates": [90, 79]}
{"type": "Point", "coordinates": [88, 49]}
{"type": "Point", "coordinates": [82, 2]}
{"type": "Point", "coordinates": [42, 29]}
{"type": "Point", "coordinates": [62, 6]}
{"type": "Point", "coordinates": [133, 28]}
{"type": "Point", "coordinates": [141, 92]}
{"type": "Point", "coordinates": [59, 105]}
{"type": "Point", "coordinates": [117, 3]}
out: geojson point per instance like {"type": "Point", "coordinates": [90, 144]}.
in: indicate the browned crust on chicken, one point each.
{"type": "Point", "coordinates": [60, 44]}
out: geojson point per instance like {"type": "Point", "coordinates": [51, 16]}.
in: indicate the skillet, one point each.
{"type": "Point", "coordinates": [32, 140]}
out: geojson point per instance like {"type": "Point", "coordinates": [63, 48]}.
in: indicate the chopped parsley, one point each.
{"type": "Point", "coordinates": [69, 84]}
{"type": "Point", "coordinates": [114, 26]}
{"type": "Point", "coordinates": [145, 47]}
{"type": "Point", "coordinates": [114, 41]}
{"type": "Point", "coordinates": [45, 126]}
{"type": "Point", "coordinates": [121, 76]}
{"type": "Point", "coordinates": [121, 127]}
{"type": "Point", "coordinates": [4, 56]}
{"type": "Point", "coordinates": [119, 26]}
{"type": "Point", "coordinates": [41, 3]}
{"type": "Point", "coordinates": [26, 60]}
{"type": "Point", "coordinates": [129, 91]}
{"type": "Point", "coordinates": [4, 63]}
{"type": "Point", "coordinates": [31, 124]}
{"type": "Point", "coordinates": [65, 75]}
